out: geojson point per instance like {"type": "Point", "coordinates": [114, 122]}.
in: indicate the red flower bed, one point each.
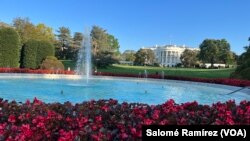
{"type": "Point", "coordinates": [38, 71]}
{"type": "Point", "coordinates": [225, 81]}
{"type": "Point", "coordinates": [107, 119]}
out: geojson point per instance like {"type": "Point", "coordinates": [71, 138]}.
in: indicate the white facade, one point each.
{"type": "Point", "coordinates": [169, 55]}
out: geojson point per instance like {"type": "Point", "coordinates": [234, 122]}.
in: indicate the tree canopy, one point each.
{"type": "Point", "coordinates": [77, 40]}
{"type": "Point", "coordinates": [104, 44]}
{"type": "Point", "coordinates": [3, 24]}
{"type": "Point", "coordinates": [144, 57]}
{"type": "Point", "coordinates": [242, 71]}
{"type": "Point", "coordinates": [28, 30]}
{"type": "Point", "coordinates": [215, 51]}
{"type": "Point", "coordinates": [63, 43]}
{"type": "Point", "coordinates": [189, 58]}
{"type": "Point", "coordinates": [128, 55]}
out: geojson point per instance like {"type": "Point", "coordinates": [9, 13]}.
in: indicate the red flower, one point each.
{"type": "Point", "coordinates": [40, 125]}
{"type": "Point", "coordinates": [65, 136]}
{"type": "Point", "coordinates": [95, 137]}
{"type": "Point", "coordinates": [133, 131]}
{"type": "Point", "coordinates": [27, 115]}
{"type": "Point", "coordinates": [26, 130]}
{"type": "Point", "coordinates": [105, 108]}
{"type": "Point", "coordinates": [98, 118]}
{"type": "Point", "coordinates": [124, 136]}
{"type": "Point", "coordinates": [12, 119]}
{"type": "Point", "coordinates": [27, 102]}
{"type": "Point", "coordinates": [37, 102]}
{"type": "Point", "coordinates": [156, 114]}
{"type": "Point", "coordinates": [183, 121]}
{"type": "Point", "coordinates": [147, 121]}
{"type": "Point", "coordinates": [164, 122]}
{"type": "Point", "coordinates": [94, 127]}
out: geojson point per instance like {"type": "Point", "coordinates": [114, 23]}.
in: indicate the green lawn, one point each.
{"type": "Point", "coordinates": [186, 72]}
{"type": "Point", "coordinates": [69, 63]}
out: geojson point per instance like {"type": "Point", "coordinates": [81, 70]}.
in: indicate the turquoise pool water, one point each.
{"type": "Point", "coordinates": [59, 89]}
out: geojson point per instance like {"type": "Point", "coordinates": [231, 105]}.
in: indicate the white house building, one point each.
{"type": "Point", "coordinates": [169, 55]}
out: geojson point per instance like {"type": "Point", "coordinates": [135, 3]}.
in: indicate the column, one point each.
{"type": "Point", "coordinates": [170, 59]}
{"type": "Point", "coordinates": [161, 57]}
{"type": "Point", "coordinates": [166, 57]}
{"type": "Point", "coordinates": [175, 57]}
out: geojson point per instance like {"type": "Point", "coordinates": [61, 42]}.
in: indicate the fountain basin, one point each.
{"type": "Point", "coordinates": [61, 88]}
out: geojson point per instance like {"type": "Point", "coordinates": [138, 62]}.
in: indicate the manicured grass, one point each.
{"type": "Point", "coordinates": [185, 72]}
{"type": "Point", "coordinates": [69, 63]}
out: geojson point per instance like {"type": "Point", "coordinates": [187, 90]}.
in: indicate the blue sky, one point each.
{"type": "Point", "coordinates": [138, 23]}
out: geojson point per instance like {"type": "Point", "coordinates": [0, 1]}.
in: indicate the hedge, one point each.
{"type": "Point", "coordinates": [9, 48]}
{"type": "Point", "coordinates": [34, 52]}
{"type": "Point", "coordinates": [29, 53]}
{"type": "Point", "coordinates": [51, 63]}
{"type": "Point", "coordinates": [44, 49]}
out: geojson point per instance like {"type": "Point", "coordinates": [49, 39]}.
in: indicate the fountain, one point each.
{"type": "Point", "coordinates": [83, 66]}
{"type": "Point", "coordinates": [145, 74]}
{"type": "Point", "coordinates": [139, 75]}
{"type": "Point", "coordinates": [162, 75]}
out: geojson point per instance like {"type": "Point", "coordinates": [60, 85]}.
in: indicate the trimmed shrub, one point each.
{"type": "Point", "coordinates": [9, 47]}
{"type": "Point", "coordinates": [51, 63]}
{"type": "Point", "coordinates": [29, 52]}
{"type": "Point", "coordinates": [34, 52]}
{"type": "Point", "coordinates": [44, 49]}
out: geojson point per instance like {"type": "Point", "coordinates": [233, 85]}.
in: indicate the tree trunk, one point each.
{"type": "Point", "coordinates": [212, 62]}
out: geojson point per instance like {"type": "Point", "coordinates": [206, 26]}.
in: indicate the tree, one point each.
{"type": "Point", "coordinates": [104, 58]}
{"type": "Point", "coordinates": [113, 44]}
{"type": "Point", "coordinates": [44, 33]}
{"type": "Point", "coordinates": [28, 31]}
{"type": "Point", "coordinates": [224, 55]}
{"type": "Point", "coordinates": [144, 57]}
{"type": "Point", "coordinates": [72, 51]}
{"type": "Point", "coordinates": [77, 40]}
{"type": "Point", "coordinates": [34, 52]}
{"type": "Point", "coordinates": [104, 45]}
{"type": "Point", "coordinates": [24, 28]}
{"type": "Point", "coordinates": [2, 24]}
{"type": "Point", "coordinates": [64, 37]}
{"type": "Point", "coordinates": [64, 42]}
{"type": "Point", "coordinates": [9, 47]}
{"type": "Point", "coordinates": [189, 58]}
{"type": "Point", "coordinates": [128, 55]}
{"type": "Point", "coordinates": [99, 39]}
{"type": "Point", "coordinates": [209, 51]}
{"type": "Point", "coordinates": [242, 71]}
{"type": "Point", "coordinates": [215, 51]}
